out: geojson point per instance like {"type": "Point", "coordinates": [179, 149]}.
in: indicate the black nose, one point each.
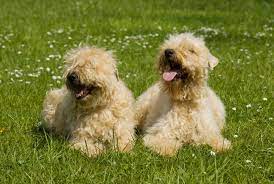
{"type": "Point", "coordinates": [72, 78]}
{"type": "Point", "coordinates": [169, 52]}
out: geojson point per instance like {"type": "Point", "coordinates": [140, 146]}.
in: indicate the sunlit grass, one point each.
{"type": "Point", "coordinates": [34, 35]}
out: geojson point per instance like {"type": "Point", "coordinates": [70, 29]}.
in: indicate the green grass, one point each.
{"type": "Point", "coordinates": [35, 34]}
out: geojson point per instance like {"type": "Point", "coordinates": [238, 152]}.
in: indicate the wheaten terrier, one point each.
{"type": "Point", "coordinates": [181, 108]}
{"type": "Point", "coordinates": [95, 108]}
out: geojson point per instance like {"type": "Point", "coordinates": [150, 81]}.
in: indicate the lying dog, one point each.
{"type": "Point", "coordinates": [181, 108]}
{"type": "Point", "coordinates": [94, 109]}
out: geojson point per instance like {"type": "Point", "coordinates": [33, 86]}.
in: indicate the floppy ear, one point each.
{"type": "Point", "coordinates": [212, 61]}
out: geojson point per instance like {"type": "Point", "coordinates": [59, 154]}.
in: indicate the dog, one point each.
{"type": "Point", "coordinates": [181, 108]}
{"type": "Point", "coordinates": [94, 108]}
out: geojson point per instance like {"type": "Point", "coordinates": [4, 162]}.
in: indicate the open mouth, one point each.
{"type": "Point", "coordinates": [81, 91]}
{"type": "Point", "coordinates": [174, 72]}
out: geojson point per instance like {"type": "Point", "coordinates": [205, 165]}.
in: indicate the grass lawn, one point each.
{"type": "Point", "coordinates": [34, 35]}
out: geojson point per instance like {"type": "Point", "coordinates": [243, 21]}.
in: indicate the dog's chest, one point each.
{"type": "Point", "coordinates": [100, 124]}
{"type": "Point", "coordinates": [201, 116]}
{"type": "Point", "coordinates": [159, 108]}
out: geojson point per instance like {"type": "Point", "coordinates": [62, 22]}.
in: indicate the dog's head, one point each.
{"type": "Point", "coordinates": [89, 74]}
{"type": "Point", "coordinates": [185, 58]}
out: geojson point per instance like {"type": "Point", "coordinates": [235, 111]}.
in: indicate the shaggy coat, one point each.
{"type": "Point", "coordinates": [95, 108]}
{"type": "Point", "coordinates": [181, 108]}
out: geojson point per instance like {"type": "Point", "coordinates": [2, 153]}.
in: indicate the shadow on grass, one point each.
{"type": "Point", "coordinates": [44, 138]}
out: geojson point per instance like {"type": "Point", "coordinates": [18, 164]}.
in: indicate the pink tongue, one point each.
{"type": "Point", "coordinates": [169, 76]}
{"type": "Point", "coordinates": [77, 95]}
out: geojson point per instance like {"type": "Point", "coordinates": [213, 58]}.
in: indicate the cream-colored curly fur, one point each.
{"type": "Point", "coordinates": [104, 118]}
{"type": "Point", "coordinates": [184, 110]}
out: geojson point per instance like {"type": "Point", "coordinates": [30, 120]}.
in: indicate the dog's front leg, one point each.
{"type": "Point", "coordinates": [83, 140]}
{"type": "Point", "coordinates": [161, 145]}
{"type": "Point", "coordinates": [165, 136]}
{"type": "Point", "coordinates": [124, 136]}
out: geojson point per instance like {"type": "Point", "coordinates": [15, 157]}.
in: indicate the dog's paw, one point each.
{"type": "Point", "coordinates": [222, 145]}
{"type": "Point", "coordinates": [90, 150]}
{"type": "Point", "coordinates": [125, 146]}
{"type": "Point", "coordinates": [160, 145]}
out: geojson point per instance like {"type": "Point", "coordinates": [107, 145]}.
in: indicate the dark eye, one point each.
{"type": "Point", "coordinates": [192, 51]}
